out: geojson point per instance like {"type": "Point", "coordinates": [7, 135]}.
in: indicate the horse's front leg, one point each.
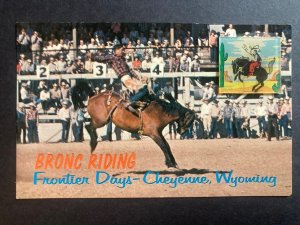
{"type": "Point", "coordinates": [93, 135]}
{"type": "Point", "coordinates": [164, 146]}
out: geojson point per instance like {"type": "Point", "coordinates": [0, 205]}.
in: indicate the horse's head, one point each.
{"type": "Point", "coordinates": [186, 118]}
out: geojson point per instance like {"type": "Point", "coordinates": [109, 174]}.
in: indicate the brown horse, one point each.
{"type": "Point", "coordinates": [152, 120]}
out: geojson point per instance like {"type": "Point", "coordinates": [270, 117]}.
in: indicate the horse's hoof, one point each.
{"type": "Point", "coordinates": [173, 169]}
{"type": "Point", "coordinates": [93, 146]}
{"type": "Point", "coordinates": [172, 165]}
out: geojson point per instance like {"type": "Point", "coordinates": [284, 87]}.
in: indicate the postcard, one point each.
{"type": "Point", "coordinates": [147, 110]}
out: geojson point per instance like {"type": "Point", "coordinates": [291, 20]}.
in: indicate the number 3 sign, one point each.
{"type": "Point", "coordinates": [42, 71]}
{"type": "Point", "coordinates": [99, 69]}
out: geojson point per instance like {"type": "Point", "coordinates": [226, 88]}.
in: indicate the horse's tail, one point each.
{"type": "Point", "coordinates": [80, 93]}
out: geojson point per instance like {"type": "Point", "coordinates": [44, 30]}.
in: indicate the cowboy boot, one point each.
{"type": "Point", "coordinates": [131, 109]}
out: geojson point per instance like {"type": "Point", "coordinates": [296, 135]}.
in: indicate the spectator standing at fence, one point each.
{"type": "Point", "coordinates": [125, 40]}
{"type": "Point", "coordinates": [65, 92]}
{"type": "Point", "coordinates": [227, 114]}
{"type": "Point", "coordinates": [36, 44]}
{"type": "Point", "coordinates": [62, 47]}
{"type": "Point", "coordinates": [136, 64]}
{"type": "Point", "coordinates": [184, 64]}
{"type": "Point", "coordinates": [82, 49]}
{"type": "Point", "coordinates": [230, 32]}
{"type": "Point", "coordinates": [23, 63]}
{"type": "Point", "coordinates": [209, 92]}
{"type": "Point", "coordinates": [129, 50]}
{"type": "Point", "coordinates": [32, 122]}
{"type": "Point", "coordinates": [55, 95]}
{"type": "Point", "coordinates": [157, 59]}
{"type": "Point", "coordinates": [21, 124]}
{"type": "Point", "coordinates": [143, 39]}
{"type": "Point", "coordinates": [284, 62]}
{"type": "Point", "coordinates": [149, 49]}
{"type": "Point", "coordinates": [71, 51]}
{"type": "Point", "coordinates": [45, 99]}
{"type": "Point", "coordinates": [205, 117]}
{"type": "Point", "coordinates": [28, 68]}
{"type": "Point", "coordinates": [139, 49]}
{"type": "Point", "coordinates": [79, 65]}
{"type": "Point", "coordinates": [24, 41]}
{"type": "Point", "coordinates": [203, 38]}
{"type": "Point", "coordinates": [216, 116]}
{"type": "Point", "coordinates": [272, 110]}
{"type": "Point", "coordinates": [52, 66]}
{"type": "Point", "coordinates": [178, 46]}
{"type": "Point", "coordinates": [77, 118]}
{"type": "Point", "coordinates": [280, 120]}
{"type": "Point", "coordinates": [213, 44]}
{"type": "Point", "coordinates": [64, 115]}
{"type": "Point", "coordinates": [238, 119]}
{"type": "Point", "coordinates": [92, 46]}
{"type": "Point", "coordinates": [24, 93]}
{"type": "Point", "coordinates": [51, 50]}
{"type": "Point", "coordinates": [245, 112]}
{"type": "Point", "coordinates": [89, 64]}
{"type": "Point", "coordinates": [195, 64]}
{"type": "Point", "coordinates": [286, 115]}
{"type": "Point", "coordinates": [99, 33]}
{"type": "Point", "coordinates": [260, 113]}
{"type": "Point", "coordinates": [61, 65]}
{"type": "Point", "coordinates": [146, 64]}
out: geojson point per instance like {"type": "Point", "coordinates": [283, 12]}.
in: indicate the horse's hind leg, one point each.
{"type": "Point", "coordinates": [254, 87]}
{"type": "Point", "coordinates": [93, 134]}
{"type": "Point", "coordinates": [240, 74]}
{"type": "Point", "coordinates": [163, 144]}
{"type": "Point", "coordinates": [261, 85]}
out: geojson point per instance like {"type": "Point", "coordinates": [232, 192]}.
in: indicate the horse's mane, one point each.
{"type": "Point", "coordinates": [80, 92]}
{"type": "Point", "coordinates": [169, 104]}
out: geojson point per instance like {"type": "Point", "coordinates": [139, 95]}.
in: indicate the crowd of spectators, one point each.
{"type": "Point", "coordinates": [215, 119]}
{"type": "Point", "coordinates": [144, 45]}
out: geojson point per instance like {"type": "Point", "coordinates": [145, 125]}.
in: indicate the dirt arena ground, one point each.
{"type": "Point", "coordinates": [195, 158]}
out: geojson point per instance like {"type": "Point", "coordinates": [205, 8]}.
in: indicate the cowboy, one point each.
{"type": "Point", "coordinates": [127, 75]}
{"type": "Point", "coordinates": [64, 115]}
{"type": "Point", "coordinates": [272, 110]}
{"type": "Point", "coordinates": [256, 59]}
{"type": "Point", "coordinates": [32, 122]}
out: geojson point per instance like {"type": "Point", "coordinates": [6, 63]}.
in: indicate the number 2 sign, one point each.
{"type": "Point", "coordinates": [42, 71]}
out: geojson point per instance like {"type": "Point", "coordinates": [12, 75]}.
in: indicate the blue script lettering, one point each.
{"type": "Point", "coordinates": [65, 179]}
{"type": "Point", "coordinates": [104, 177]}
{"type": "Point", "coordinates": [233, 181]}
{"type": "Point", "coordinates": [151, 177]}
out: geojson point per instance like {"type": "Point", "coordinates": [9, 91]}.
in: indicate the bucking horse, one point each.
{"type": "Point", "coordinates": [240, 66]}
{"type": "Point", "coordinates": [151, 121]}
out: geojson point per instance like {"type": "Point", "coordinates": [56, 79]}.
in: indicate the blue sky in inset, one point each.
{"type": "Point", "coordinates": [269, 47]}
